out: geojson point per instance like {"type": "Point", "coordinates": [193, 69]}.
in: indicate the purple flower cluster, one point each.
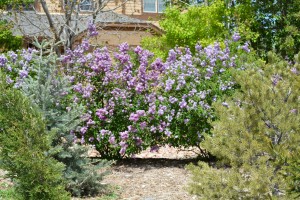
{"type": "Point", "coordinates": [17, 65]}
{"type": "Point", "coordinates": [135, 102]}
{"type": "Point", "coordinates": [92, 31]}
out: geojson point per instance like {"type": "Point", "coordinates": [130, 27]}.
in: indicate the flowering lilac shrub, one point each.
{"type": "Point", "coordinates": [133, 102]}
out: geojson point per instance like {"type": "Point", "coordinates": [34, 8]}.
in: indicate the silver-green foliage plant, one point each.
{"type": "Point", "coordinates": [256, 139]}
{"type": "Point", "coordinates": [37, 74]}
{"type": "Point", "coordinates": [50, 90]}
{"type": "Point", "coordinates": [24, 143]}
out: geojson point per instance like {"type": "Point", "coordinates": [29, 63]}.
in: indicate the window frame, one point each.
{"type": "Point", "coordinates": [91, 5]}
{"type": "Point", "coordinates": [156, 7]}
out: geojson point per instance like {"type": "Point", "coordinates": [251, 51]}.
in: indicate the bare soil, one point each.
{"type": "Point", "coordinates": [153, 176]}
{"type": "Point", "coordinates": [149, 175]}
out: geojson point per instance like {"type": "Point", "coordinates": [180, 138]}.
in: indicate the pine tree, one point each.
{"type": "Point", "coordinates": [24, 143]}
{"type": "Point", "coordinates": [256, 138]}
{"type": "Point", "coordinates": [50, 90]}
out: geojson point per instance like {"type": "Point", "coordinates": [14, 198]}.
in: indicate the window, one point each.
{"type": "Point", "coordinates": [154, 6]}
{"type": "Point", "coordinates": [86, 5]}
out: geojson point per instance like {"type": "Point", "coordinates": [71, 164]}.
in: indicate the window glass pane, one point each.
{"type": "Point", "coordinates": [86, 5]}
{"type": "Point", "coordinates": [149, 6]}
{"type": "Point", "coordinates": [161, 5]}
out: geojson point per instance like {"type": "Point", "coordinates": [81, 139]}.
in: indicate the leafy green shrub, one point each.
{"type": "Point", "coordinates": [201, 23]}
{"type": "Point", "coordinates": [256, 138]}
{"type": "Point", "coordinates": [7, 40]}
{"type": "Point", "coordinates": [25, 144]}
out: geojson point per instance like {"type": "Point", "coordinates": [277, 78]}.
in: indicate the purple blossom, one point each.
{"type": "Point", "coordinates": [138, 50]}
{"type": "Point", "coordinates": [83, 130]}
{"type": "Point", "coordinates": [85, 45]}
{"type": "Point", "coordinates": [90, 122]}
{"type": "Point", "coordinates": [236, 36]}
{"type": "Point", "coordinates": [131, 129]}
{"type": "Point", "coordinates": [143, 125]}
{"type": "Point", "coordinates": [23, 73]}
{"type": "Point", "coordinates": [101, 113]}
{"type": "Point", "coordinates": [122, 151]}
{"type": "Point", "coordinates": [275, 79]}
{"type": "Point", "coordinates": [172, 56]}
{"type": "Point", "coordinates": [161, 110]}
{"type": "Point", "coordinates": [225, 104]}
{"type": "Point", "coordinates": [139, 88]}
{"type": "Point", "coordinates": [124, 146]}
{"type": "Point", "coordinates": [245, 47]}
{"type": "Point", "coordinates": [198, 47]}
{"type": "Point", "coordinates": [153, 129]}
{"type": "Point", "coordinates": [294, 70]}
{"type": "Point", "coordinates": [124, 135]}
{"type": "Point", "coordinates": [112, 140]}
{"type": "Point", "coordinates": [140, 113]}
{"type": "Point", "coordinates": [124, 47]}
{"type": "Point", "coordinates": [169, 118]}
{"type": "Point", "coordinates": [78, 87]}
{"type": "Point", "coordinates": [172, 99]}
{"type": "Point", "coordinates": [13, 56]}
{"type": "Point", "coordinates": [138, 141]}
{"type": "Point", "coordinates": [104, 132]}
{"type": "Point", "coordinates": [3, 60]}
{"type": "Point", "coordinates": [182, 104]}
{"type": "Point", "coordinates": [26, 55]}
{"type": "Point", "coordinates": [82, 141]}
{"type": "Point", "coordinates": [87, 91]}
{"type": "Point", "coordinates": [169, 84]}
{"type": "Point", "coordinates": [92, 31]}
{"type": "Point", "coordinates": [168, 133]}
{"type": "Point", "coordinates": [152, 109]}
{"type": "Point", "coordinates": [8, 67]}
{"type": "Point", "coordinates": [9, 80]}
{"type": "Point", "coordinates": [186, 121]}
{"type": "Point", "coordinates": [134, 117]}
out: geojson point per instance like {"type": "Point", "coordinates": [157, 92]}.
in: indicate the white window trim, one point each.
{"type": "Point", "coordinates": [94, 6]}
{"type": "Point", "coordinates": [156, 8]}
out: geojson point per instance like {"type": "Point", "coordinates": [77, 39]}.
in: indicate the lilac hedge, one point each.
{"type": "Point", "coordinates": [133, 101]}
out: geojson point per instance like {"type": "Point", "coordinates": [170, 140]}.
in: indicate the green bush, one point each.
{"type": "Point", "coordinates": [256, 139]}
{"type": "Point", "coordinates": [201, 23]}
{"type": "Point", "coordinates": [7, 40]}
{"type": "Point", "coordinates": [24, 149]}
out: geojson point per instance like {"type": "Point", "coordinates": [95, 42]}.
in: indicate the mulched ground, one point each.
{"type": "Point", "coordinates": [153, 175]}
{"type": "Point", "coordinates": [149, 175]}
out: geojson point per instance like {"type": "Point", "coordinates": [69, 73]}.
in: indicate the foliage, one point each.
{"type": "Point", "coordinates": [39, 78]}
{"type": "Point", "coordinates": [25, 145]}
{"type": "Point", "coordinates": [201, 23]}
{"type": "Point", "coordinates": [256, 138]}
{"type": "Point", "coordinates": [83, 176]}
{"type": "Point", "coordinates": [8, 193]}
{"type": "Point", "coordinates": [7, 40]}
{"type": "Point", "coordinates": [15, 4]}
{"type": "Point", "coordinates": [132, 103]}
{"type": "Point", "coordinates": [269, 26]}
